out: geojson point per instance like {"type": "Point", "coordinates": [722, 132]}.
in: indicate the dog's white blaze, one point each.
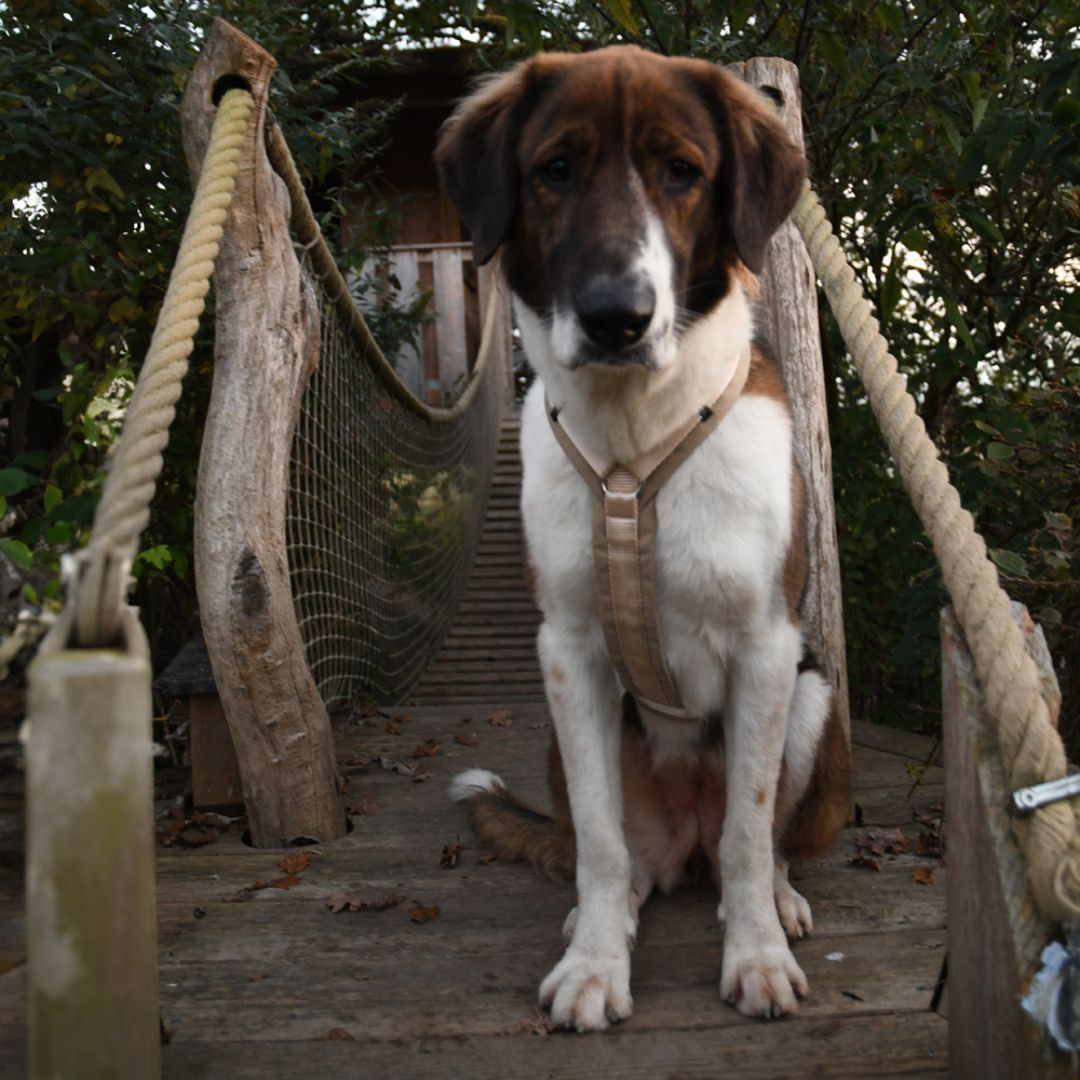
{"type": "Point", "coordinates": [567, 337]}
{"type": "Point", "coordinates": [655, 264]}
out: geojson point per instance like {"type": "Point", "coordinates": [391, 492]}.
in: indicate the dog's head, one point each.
{"type": "Point", "coordinates": [626, 187]}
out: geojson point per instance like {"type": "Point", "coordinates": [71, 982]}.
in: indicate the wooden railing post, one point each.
{"type": "Point", "coordinates": [265, 347]}
{"type": "Point", "coordinates": [788, 313]}
{"type": "Point", "coordinates": [90, 923]}
{"type": "Point", "coordinates": [995, 932]}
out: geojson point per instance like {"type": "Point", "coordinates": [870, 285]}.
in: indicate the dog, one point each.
{"type": "Point", "coordinates": [631, 198]}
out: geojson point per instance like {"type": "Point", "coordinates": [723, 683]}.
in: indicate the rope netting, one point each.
{"type": "Point", "coordinates": [386, 494]}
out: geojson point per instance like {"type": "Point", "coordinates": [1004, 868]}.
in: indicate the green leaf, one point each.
{"type": "Point", "coordinates": [17, 552]}
{"type": "Point", "coordinates": [102, 178]}
{"type": "Point", "coordinates": [951, 132]}
{"type": "Point", "coordinates": [1060, 522]}
{"type": "Point", "coordinates": [59, 535]}
{"type": "Point", "coordinates": [12, 481]}
{"type": "Point", "coordinates": [1010, 562]}
{"type": "Point", "coordinates": [620, 11]}
{"type": "Point", "coordinates": [53, 498]}
{"type": "Point", "coordinates": [956, 317]}
{"type": "Point", "coordinates": [999, 451]}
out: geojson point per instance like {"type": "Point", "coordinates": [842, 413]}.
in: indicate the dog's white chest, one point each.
{"type": "Point", "coordinates": [724, 523]}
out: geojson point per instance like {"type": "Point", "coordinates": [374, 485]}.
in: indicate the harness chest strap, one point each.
{"type": "Point", "coordinates": [624, 547]}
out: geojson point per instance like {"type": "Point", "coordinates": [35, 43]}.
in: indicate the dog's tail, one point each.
{"type": "Point", "coordinates": [511, 829]}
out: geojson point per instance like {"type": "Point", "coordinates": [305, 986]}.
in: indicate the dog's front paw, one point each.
{"type": "Point", "coordinates": [762, 980]}
{"type": "Point", "coordinates": [587, 990]}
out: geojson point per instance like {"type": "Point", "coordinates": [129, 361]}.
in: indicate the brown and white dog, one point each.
{"type": "Point", "coordinates": [630, 195]}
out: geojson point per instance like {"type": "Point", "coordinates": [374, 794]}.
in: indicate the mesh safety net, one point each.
{"type": "Point", "coordinates": [386, 494]}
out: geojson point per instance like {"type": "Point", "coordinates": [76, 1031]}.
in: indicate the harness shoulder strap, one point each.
{"type": "Point", "coordinates": [624, 547]}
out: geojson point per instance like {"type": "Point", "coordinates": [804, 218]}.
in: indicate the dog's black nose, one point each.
{"type": "Point", "coordinates": [615, 312]}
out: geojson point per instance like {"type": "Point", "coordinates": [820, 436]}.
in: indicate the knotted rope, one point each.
{"type": "Point", "coordinates": [1030, 747]}
{"type": "Point", "coordinates": [102, 568]}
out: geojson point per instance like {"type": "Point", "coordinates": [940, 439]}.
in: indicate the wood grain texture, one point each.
{"type": "Point", "coordinates": [787, 314]}
{"type": "Point", "coordinates": [252, 988]}
{"type": "Point", "coordinates": [989, 962]}
{"type": "Point", "coordinates": [266, 344]}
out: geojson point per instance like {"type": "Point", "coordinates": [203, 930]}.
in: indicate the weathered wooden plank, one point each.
{"type": "Point", "coordinates": [674, 986]}
{"type": "Point", "coordinates": [989, 965]}
{"type": "Point", "coordinates": [891, 1045]}
{"type": "Point", "coordinates": [788, 314]}
{"type": "Point", "coordinates": [89, 768]}
{"type": "Point", "coordinates": [450, 317]}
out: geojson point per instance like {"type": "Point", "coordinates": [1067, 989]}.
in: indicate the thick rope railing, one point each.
{"type": "Point", "coordinates": [1030, 748]}
{"type": "Point", "coordinates": [102, 568]}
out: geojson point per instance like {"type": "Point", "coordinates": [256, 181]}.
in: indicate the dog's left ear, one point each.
{"type": "Point", "coordinates": [476, 160]}
{"type": "Point", "coordinates": [762, 170]}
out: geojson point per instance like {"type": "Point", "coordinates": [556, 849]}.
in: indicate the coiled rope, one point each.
{"type": "Point", "coordinates": [103, 567]}
{"type": "Point", "coordinates": [1030, 748]}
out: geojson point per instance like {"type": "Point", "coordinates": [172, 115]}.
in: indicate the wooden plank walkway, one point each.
{"type": "Point", "coordinates": [271, 982]}
{"type": "Point", "coordinates": [490, 652]}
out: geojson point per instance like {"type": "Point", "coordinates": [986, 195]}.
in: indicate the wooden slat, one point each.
{"type": "Point", "coordinates": [450, 316]}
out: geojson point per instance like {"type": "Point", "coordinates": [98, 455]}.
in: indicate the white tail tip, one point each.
{"type": "Point", "coordinates": [472, 781]}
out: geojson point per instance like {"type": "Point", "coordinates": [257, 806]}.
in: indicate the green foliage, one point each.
{"type": "Point", "coordinates": [94, 192]}
{"type": "Point", "coordinates": [943, 140]}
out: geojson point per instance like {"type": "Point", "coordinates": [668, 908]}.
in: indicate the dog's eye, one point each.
{"type": "Point", "coordinates": [681, 173]}
{"type": "Point", "coordinates": [556, 172]}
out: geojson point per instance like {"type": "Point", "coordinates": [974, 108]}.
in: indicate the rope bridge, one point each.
{"type": "Point", "coordinates": [385, 496]}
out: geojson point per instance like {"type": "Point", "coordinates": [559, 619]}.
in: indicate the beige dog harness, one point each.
{"type": "Point", "coordinates": [624, 547]}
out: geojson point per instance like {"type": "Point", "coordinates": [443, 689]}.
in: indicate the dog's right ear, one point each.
{"type": "Point", "coordinates": [477, 163]}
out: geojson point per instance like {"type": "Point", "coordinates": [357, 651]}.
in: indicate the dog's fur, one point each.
{"type": "Point", "coordinates": [655, 184]}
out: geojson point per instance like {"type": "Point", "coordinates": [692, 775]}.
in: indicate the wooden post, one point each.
{"type": "Point", "coordinates": [788, 313]}
{"type": "Point", "coordinates": [266, 346]}
{"type": "Point", "coordinates": [90, 922]}
{"type": "Point", "coordinates": [995, 932]}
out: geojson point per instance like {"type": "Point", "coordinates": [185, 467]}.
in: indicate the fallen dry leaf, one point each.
{"type": "Point", "coordinates": [923, 875]}
{"type": "Point", "coordinates": [929, 845]}
{"type": "Point", "coordinates": [862, 859]}
{"type": "Point", "coordinates": [342, 901]}
{"type": "Point", "coordinates": [421, 914]}
{"type": "Point", "coordinates": [393, 729]}
{"type": "Point", "coordinates": [289, 881]}
{"type": "Point", "coordinates": [501, 718]}
{"type": "Point", "coordinates": [339, 1035]}
{"type": "Point", "coordinates": [365, 804]}
{"type": "Point", "coordinates": [425, 749]}
{"type": "Point", "coordinates": [423, 777]}
{"type": "Point", "coordinates": [536, 725]}
{"type": "Point", "coordinates": [485, 859]}
{"type": "Point", "coordinates": [883, 842]}
{"type": "Point", "coordinates": [450, 855]}
{"type": "Point", "coordinates": [467, 740]}
{"type": "Point", "coordinates": [296, 864]}
{"type": "Point", "coordinates": [370, 710]}
{"type": "Point", "coordinates": [402, 717]}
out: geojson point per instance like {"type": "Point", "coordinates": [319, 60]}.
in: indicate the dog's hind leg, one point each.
{"type": "Point", "coordinates": [590, 987]}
